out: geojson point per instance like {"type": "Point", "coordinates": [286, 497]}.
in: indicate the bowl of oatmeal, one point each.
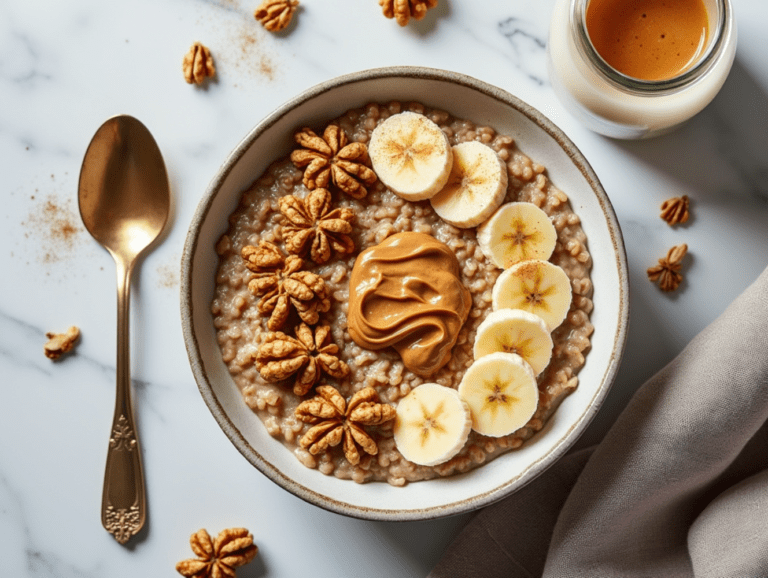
{"type": "Point", "coordinates": [271, 311]}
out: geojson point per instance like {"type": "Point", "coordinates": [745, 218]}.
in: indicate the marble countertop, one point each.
{"type": "Point", "coordinates": [67, 67]}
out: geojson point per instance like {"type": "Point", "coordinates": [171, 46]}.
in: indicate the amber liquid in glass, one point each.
{"type": "Point", "coordinates": [648, 39]}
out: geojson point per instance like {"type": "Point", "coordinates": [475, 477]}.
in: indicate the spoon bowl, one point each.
{"type": "Point", "coordinates": [124, 201]}
{"type": "Point", "coordinates": [123, 193]}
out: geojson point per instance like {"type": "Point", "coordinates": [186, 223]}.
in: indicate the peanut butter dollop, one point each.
{"type": "Point", "coordinates": [406, 293]}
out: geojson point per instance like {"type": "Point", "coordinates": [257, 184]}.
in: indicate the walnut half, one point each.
{"type": "Point", "coordinates": [283, 286]}
{"type": "Point", "coordinates": [403, 10]}
{"type": "Point", "coordinates": [675, 210]}
{"type": "Point", "coordinates": [334, 420]}
{"type": "Point", "coordinates": [331, 158]}
{"type": "Point", "coordinates": [667, 272]}
{"type": "Point", "coordinates": [275, 15]}
{"type": "Point", "coordinates": [314, 228]}
{"type": "Point", "coordinates": [198, 64]}
{"type": "Point", "coordinates": [218, 558]}
{"type": "Point", "coordinates": [307, 356]}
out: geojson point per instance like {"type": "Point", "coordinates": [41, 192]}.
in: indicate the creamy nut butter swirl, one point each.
{"type": "Point", "coordinates": [406, 293]}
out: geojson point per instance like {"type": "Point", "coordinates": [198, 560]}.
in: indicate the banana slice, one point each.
{"type": "Point", "coordinates": [411, 155]}
{"type": "Point", "coordinates": [476, 187]}
{"type": "Point", "coordinates": [515, 331]}
{"type": "Point", "coordinates": [432, 424]}
{"type": "Point", "coordinates": [517, 232]}
{"type": "Point", "coordinates": [536, 286]}
{"type": "Point", "coordinates": [501, 391]}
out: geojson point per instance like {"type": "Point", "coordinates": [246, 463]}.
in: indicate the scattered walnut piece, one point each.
{"type": "Point", "coordinates": [675, 210]}
{"type": "Point", "coordinates": [333, 419]}
{"type": "Point", "coordinates": [218, 558]}
{"type": "Point", "coordinates": [283, 286]}
{"type": "Point", "coordinates": [403, 10]}
{"type": "Point", "coordinates": [332, 159]}
{"type": "Point", "coordinates": [314, 227]}
{"type": "Point", "coordinates": [667, 272]}
{"type": "Point", "coordinates": [60, 343]}
{"type": "Point", "coordinates": [198, 64]}
{"type": "Point", "coordinates": [274, 15]}
{"type": "Point", "coordinates": [309, 355]}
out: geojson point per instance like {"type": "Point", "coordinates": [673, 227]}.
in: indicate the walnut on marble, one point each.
{"type": "Point", "coordinates": [198, 64]}
{"type": "Point", "coordinates": [218, 558]}
{"type": "Point", "coordinates": [675, 210]}
{"type": "Point", "coordinates": [403, 10]}
{"type": "Point", "coordinates": [275, 15]}
{"type": "Point", "coordinates": [667, 271]}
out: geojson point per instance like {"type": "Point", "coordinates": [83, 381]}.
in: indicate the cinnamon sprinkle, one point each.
{"type": "Point", "coordinates": [56, 227]}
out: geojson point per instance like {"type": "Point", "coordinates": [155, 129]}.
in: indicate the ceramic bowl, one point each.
{"type": "Point", "coordinates": [464, 97]}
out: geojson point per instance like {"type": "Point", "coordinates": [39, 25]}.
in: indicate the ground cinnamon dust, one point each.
{"type": "Point", "coordinates": [56, 227]}
{"type": "Point", "coordinates": [250, 53]}
{"type": "Point", "coordinates": [168, 275]}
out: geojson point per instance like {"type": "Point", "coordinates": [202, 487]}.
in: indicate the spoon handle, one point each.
{"type": "Point", "coordinates": [123, 502]}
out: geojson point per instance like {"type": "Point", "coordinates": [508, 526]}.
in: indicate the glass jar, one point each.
{"type": "Point", "coordinates": [619, 106]}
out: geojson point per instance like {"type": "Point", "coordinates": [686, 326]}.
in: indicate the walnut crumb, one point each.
{"type": "Point", "coordinates": [217, 558]}
{"type": "Point", "coordinates": [675, 210]}
{"type": "Point", "coordinates": [198, 64]}
{"type": "Point", "coordinates": [60, 343]}
{"type": "Point", "coordinates": [667, 272]}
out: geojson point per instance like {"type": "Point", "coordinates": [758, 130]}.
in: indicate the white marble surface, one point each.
{"type": "Point", "coordinates": [66, 67]}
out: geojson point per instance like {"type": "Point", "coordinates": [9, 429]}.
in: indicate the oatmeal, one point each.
{"type": "Point", "coordinates": [242, 325]}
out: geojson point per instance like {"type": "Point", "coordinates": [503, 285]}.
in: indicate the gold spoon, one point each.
{"type": "Point", "coordinates": [124, 203]}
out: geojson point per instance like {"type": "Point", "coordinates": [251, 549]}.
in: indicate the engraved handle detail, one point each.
{"type": "Point", "coordinates": [123, 503]}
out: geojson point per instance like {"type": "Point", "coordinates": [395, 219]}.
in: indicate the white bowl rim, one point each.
{"type": "Point", "coordinates": [231, 430]}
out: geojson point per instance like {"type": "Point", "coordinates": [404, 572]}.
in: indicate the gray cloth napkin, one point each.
{"type": "Point", "coordinates": [678, 487]}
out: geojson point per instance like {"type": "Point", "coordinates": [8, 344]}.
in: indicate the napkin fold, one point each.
{"type": "Point", "coordinates": [677, 488]}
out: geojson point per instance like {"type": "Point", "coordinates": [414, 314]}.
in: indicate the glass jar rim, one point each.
{"type": "Point", "coordinates": [632, 84]}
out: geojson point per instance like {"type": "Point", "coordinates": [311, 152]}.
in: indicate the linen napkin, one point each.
{"type": "Point", "coordinates": [677, 488]}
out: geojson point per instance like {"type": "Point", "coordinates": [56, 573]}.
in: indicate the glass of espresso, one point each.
{"type": "Point", "coordinates": [639, 68]}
